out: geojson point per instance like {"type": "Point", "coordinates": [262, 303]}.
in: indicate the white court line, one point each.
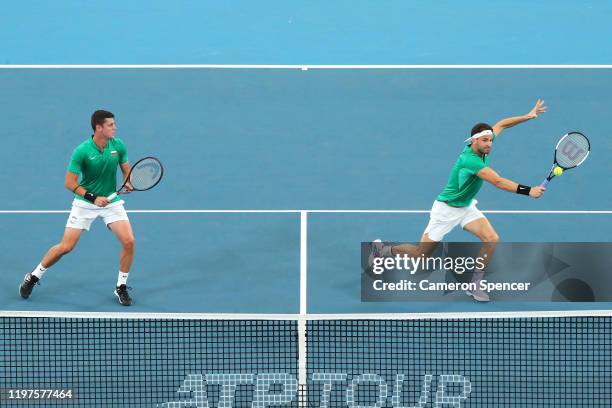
{"type": "Point", "coordinates": [161, 211]}
{"type": "Point", "coordinates": [296, 316]}
{"type": "Point", "coordinates": [603, 212]}
{"type": "Point", "coordinates": [146, 315]}
{"type": "Point", "coordinates": [303, 261]}
{"type": "Point", "coordinates": [302, 66]}
{"type": "Point", "coordinates": [484, 211]}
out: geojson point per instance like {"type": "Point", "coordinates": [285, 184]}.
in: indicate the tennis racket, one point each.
{"type": "Point", "coordinates": [144, 175]}
{"type": "Point", "coordinates": [571, 151]}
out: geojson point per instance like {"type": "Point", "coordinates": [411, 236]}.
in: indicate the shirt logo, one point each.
{"type": "Point", "coordinates": [114, 153]}
{"type": "Point", "coordinates": [93, 157]}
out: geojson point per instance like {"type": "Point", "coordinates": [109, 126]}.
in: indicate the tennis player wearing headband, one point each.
{"type": "Point", "coordinates": [456, 205]}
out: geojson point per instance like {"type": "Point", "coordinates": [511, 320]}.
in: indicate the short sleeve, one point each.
{"type": "Point", "coordinates": [122, 150]}
{"type": "Point", "coordinates": [76, 161]}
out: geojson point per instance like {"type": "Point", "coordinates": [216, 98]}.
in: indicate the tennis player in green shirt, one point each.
{"type": "Point", "coordinates": [456, 204]}
{"type": "Point", "coordinates": [96, 161]}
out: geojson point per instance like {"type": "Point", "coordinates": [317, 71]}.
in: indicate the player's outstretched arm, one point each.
{"type": "Point", "coordinates": [539, 108]}
{"type": "Point", "coordinates": [489, 175]}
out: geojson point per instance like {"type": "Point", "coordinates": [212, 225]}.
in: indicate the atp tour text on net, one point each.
{"type": "Point", "coordinates": [278, 389]}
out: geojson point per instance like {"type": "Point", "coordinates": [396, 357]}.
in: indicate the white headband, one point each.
{"type": "Point", "coordinates": [486, 132]}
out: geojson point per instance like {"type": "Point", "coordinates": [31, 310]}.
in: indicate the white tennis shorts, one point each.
{"type": "Point", "coordinates": [443, 218]}
{"type": "Point", "coordinates": [84, 213]}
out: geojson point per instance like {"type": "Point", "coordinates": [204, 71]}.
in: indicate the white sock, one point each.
{"type": "Point", "coordinates": [39, 271]}
{"type": "Point", "coordinates": [122, 279]}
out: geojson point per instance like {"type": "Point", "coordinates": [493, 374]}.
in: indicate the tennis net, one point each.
{"type": "Point", "coordinates": [486, 360]}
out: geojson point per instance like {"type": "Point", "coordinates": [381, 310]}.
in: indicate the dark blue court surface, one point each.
{"type": "Point", "coordinates": [291, 139]}
{"type": "Point", "coordinates": [232, 263]}
{"type": "Point", "coordinates": [317, 139]}
{"type": "Point", "coordinates": [334, 257]}
{"type": "Point", "coordinates": [282, 139]}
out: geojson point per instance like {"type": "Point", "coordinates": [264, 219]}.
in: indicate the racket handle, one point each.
{"type": "Point", "coordinates": [111, 197]}
{"type": "Point", "coordinates": [545, 183]}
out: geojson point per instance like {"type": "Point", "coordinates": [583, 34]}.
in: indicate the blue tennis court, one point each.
{"type": "Point", "coordinates": [285, 140]}
{"type": "Point", "coordinates": [246, 279]}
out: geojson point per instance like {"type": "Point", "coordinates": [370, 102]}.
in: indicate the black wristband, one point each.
{"type": "Point", "coordinates": [90, 197]}
{"type": "Point", "coordinates": [521, 189]}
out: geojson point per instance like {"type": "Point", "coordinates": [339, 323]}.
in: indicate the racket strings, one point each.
{"type": "Point", "coordinates": [146, 174]}
{"type": "Point", "coordinates": [572, 150]}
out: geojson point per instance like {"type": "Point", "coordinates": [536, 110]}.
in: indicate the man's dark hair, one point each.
{"type": "Point", "coordinates": [479, 127]}
{"type": "Point", "coordinates": [99, 117]}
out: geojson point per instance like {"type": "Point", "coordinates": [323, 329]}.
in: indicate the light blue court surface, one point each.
{"type": "Point", "coordinates": [306, 32]}
{"type": "Point", "coordinates": [283, 139]}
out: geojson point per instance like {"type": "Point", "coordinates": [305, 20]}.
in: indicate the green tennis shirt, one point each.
{"type": "Point", "coordinates": [463, 184]}
{"type": "Point", "coordinates": [98, 168]}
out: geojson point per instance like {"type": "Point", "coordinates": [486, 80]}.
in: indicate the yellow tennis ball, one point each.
{"type": "Point", "coordinates": [558, 171]}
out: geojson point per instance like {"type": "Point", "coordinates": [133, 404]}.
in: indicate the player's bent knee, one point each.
{"type": "Point", "coordinates": [129, 244]}
{"type": "Point", "coordinates": [66, 248]}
